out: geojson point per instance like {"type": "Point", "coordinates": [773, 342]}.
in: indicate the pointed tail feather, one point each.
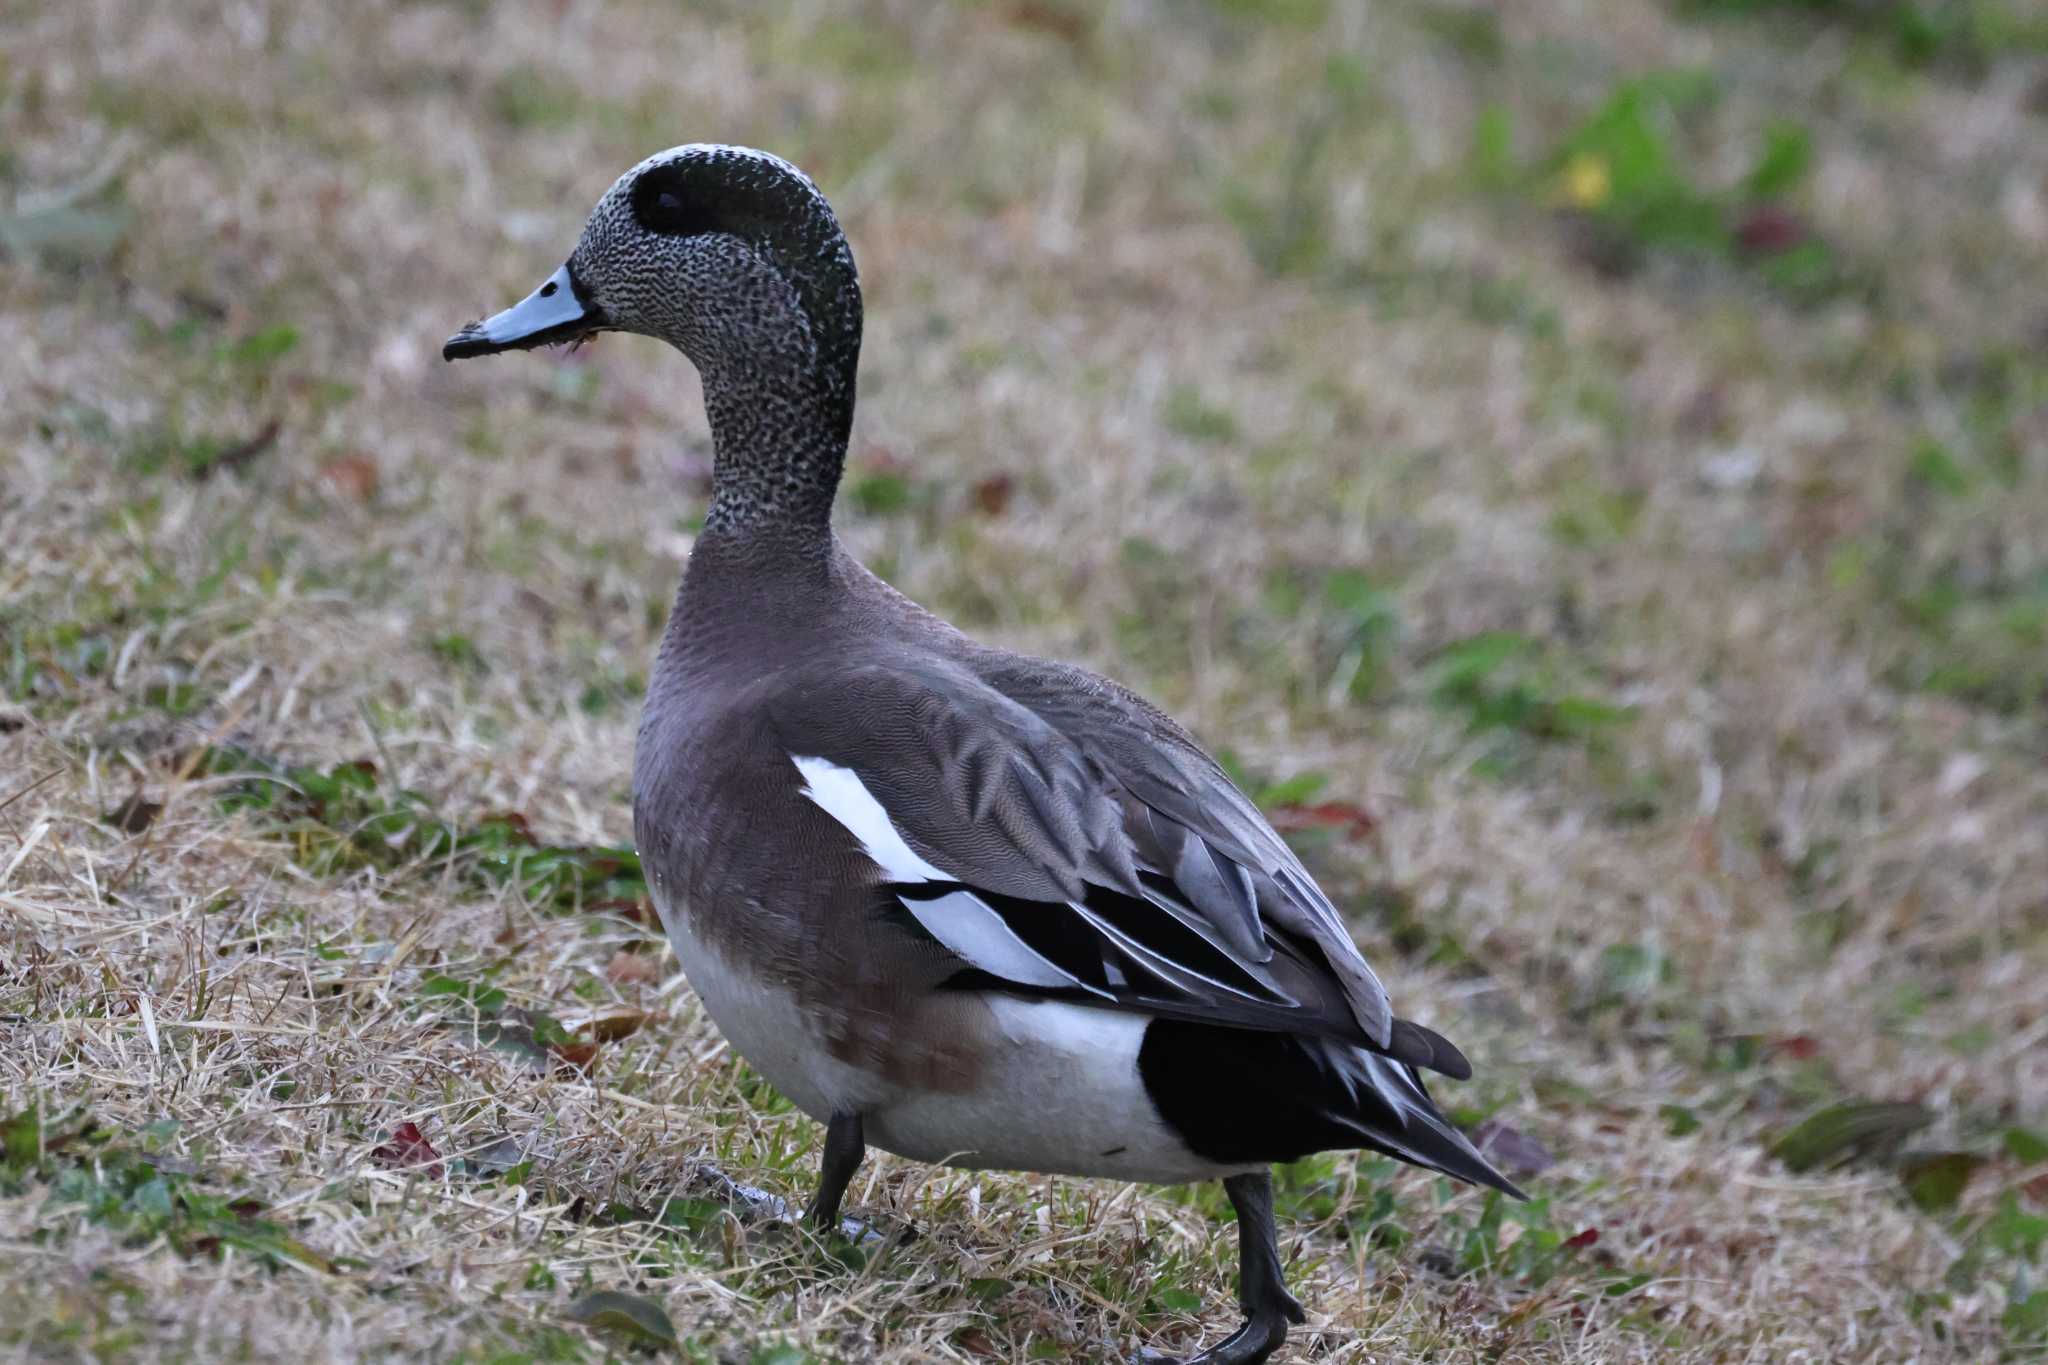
{"type": "Point", "coordinates": [1422, 1134]}
{"type": "Point", "coordinates": [1240, 1095]}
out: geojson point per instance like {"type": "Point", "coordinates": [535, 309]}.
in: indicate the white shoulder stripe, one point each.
{"type": "Point", "coordinates": [841, 794]}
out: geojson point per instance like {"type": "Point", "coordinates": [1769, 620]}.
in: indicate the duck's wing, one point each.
{"type": "Point", "coordinates": [1077, 848]}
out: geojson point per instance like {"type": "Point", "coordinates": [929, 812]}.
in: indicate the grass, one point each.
{"type": "Point", "coordinates": [1584, 467]}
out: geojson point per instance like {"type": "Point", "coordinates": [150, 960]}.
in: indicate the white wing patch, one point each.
{"type": "Point", "coordinates": [841, 794]}
{"type": "Point", "coordinates": [968, 927]}
{"type": "Point", "coordinates": [959, 919]}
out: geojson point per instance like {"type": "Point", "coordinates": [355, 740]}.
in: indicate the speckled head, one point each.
{"type": "Point", "coordinates": [734, 257]}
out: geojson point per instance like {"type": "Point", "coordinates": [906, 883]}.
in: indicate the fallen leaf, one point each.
{"type": "Point", "coordinates": [1936, 1180]}
{"type": "Point", "coordinates": [632, 969]}
{"type": "Point", "coordinates": [992, 495]}
{"type": "Point", "coordinates": [1678, 1119]}
{"type": "Point", "coordinates": [639, 911]}
{"type": "Point", "coordinates": [1841, 1133]}
{"type": "Point", "coordinates": [2025, 1145]}
{"type": "Point", "coordinates": [134, 815]}
{"type": "Point", "coordinates": [1511, 1149]}
{"type": "Point", "coordinates": [1579, 1241]}
{"type": "Point", "coordinates": [408, 1147]}
{"type": "Point", "coordinates": [1346, 816]}
{"type": "Point", "coordinates": [576, 1056]}
{"type": "Point", "coordinates": [1768, 230]}
{"type": "Point", "coordinates": [879, 459]}
{"type": "Point", "coordinates": [352, 475]}
{"type": "Point", "coordinates": [1056, 20]}
{"type": "Point", "coordinates": [235, 456]}
{"type": "Point", "coordinates": [515, 821]}
{"type": "Point", "coordinates": [606, 1025]}
{"type": "Point", "coordinates": [1800, 1047]}
{"type": "Point", "coordinates": [975, 1342]}
{"type": "Point", "coordinates": [630, 1314]}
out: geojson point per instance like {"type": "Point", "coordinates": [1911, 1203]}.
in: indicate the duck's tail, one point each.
{"type": "Point", "coordinates": [1237, 1095]}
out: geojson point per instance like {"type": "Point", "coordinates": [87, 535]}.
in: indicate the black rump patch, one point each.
{"type": "Point", "coordinates": [1237, 1095]}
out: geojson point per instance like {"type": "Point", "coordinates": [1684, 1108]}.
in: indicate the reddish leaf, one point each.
{"type": "Point", "coordinates": [625, 907]}
{"type": "Point", "coordinates": [1800, 1047]}
{"type": "Point", "coordinates": [2037, 1189]}
{"type": "Point", "coordinates": [875, 459]}
{"type": "Point", "coordinates": [1343, 816]}
{"type": "Point", "coordinates": [1511, 1149]}
{"type": "Point", "coordinates": [1768, 230]}
{"type": "Point", "coordinates": [134, 815]}
{"type": "Point", "coordinates": [992, 494]}
{"type": "Point", "coordinates": [974, 1341]}
{"type": "Point", "coordinates": [1579, 1241]}
{"type": "Point", "coordinates": [606, 1025]}
{"type": "Point", "coordinates": [634, 969]}
{"type": "Point", "coordinates": [576, 1056]}
{"type": "Point", "coordinates": [235, 456]}
{"type": "Point", "coordinates": [408, 1147]}
{"type": "Point", "coordinates": [514, 821]}
{"type": "Point", "coordinates": [352, 475]}
{"type": "Point", "coordinates": [1056, 20]}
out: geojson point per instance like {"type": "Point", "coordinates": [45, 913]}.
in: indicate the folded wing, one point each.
{"type": "Point", "coordinates": [1087, 854]}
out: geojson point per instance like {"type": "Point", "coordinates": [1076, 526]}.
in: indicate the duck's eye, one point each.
{"type": "Point", "coordinates": [660, 204]}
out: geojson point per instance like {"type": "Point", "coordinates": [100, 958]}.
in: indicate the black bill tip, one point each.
{"type": "Point", "coordinates": [468, 342]}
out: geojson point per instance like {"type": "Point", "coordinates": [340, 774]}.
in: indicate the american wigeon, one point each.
{"type": "Point", "coordinates": [968, 906]}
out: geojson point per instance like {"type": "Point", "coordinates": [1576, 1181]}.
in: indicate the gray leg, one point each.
{"type": "Point", "coordinates": [1261, 1288]}
{"type": "Point", "coordinates": [844, 1151]}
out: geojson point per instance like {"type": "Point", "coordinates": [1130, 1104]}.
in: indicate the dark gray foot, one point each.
{"type": "Point", "coordinates": [1261, 1288]}
{"type": "Point", "coordinates": [1260, 1336]}
{"type": "Point", "coordinates": [845, 1148]}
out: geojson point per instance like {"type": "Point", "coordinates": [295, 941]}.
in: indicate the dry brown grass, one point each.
{"type": "Point", "coordinates": [1806, 866]}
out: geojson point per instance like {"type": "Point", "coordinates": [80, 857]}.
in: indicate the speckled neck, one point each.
{"type": "Point", "coordinates": [779, 371]}
{"type": "Point", "coordinates": [779, 444]}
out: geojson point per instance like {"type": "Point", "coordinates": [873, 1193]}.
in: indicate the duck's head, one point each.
{"type": "Point", "coordinates": [727, 253]}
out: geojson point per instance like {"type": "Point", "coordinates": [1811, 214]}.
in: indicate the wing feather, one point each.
{"type": "Point", "coordinates": [1072, 839]}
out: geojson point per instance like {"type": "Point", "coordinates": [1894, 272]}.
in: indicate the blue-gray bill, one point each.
{"type": "Point", "coordinates": [555, 312]}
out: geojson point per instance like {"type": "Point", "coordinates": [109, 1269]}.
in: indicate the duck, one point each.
{"type": "Point", "coordinates": [960, 904]}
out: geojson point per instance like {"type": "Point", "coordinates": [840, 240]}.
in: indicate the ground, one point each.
{"type": "Point", "coordinates": [1585, 464]}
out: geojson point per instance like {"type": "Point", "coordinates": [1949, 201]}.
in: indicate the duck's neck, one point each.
{"type": "Point", "coordinates": [778, 450]}
{"type": "Point", "coordinates": [780, 400]}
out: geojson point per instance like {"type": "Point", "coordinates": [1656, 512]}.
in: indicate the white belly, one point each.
{"type": "Point", "coordinates": [763, 1024]}
{"type": "Point", "coordinates": [1057, 1089]}
{"type": "Point", "coordinates": [1059, 1093]}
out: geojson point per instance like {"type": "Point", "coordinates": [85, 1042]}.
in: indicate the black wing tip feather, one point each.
{"type": "Point", "coordinates": [1410, 1042]}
